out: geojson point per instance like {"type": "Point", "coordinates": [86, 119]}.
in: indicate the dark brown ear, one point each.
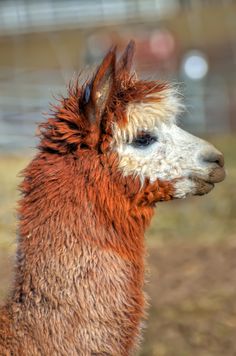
{"type": "Point", "coordinates": [98, 92]}
{"type": "Point", "coordinates": [126, 60]}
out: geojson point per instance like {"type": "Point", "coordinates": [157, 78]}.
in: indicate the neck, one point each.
{"type": "Point", "coordinates": [80, 256]}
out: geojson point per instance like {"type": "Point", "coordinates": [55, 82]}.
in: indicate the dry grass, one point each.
{"type": "Point", "coordinates": [192, 258]}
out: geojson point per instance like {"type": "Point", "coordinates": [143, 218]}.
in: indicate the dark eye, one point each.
{"type": "Point", "coordinates": [143, 140]}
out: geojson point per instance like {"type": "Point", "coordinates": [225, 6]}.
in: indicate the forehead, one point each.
{"type": "Point", "coordinates": [157, 108]}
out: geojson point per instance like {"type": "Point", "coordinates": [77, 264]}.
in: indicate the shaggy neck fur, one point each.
{"type": "Point", "coordinates": [80, 257]}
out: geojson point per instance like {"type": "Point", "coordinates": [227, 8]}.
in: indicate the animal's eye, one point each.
{"type": "Point", "coordinates": [143, 140]}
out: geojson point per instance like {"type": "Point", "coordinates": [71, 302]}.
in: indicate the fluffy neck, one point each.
{"type": "Point", "coordinates": [80, 254]}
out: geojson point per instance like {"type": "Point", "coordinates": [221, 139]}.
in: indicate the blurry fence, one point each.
{"type": "Point", "coordinates": [22, 103]}
{"type": "Point", "coordinates": [26, 88]}
{"type": "Point", "coordinates": [25, 94]}
{"type": "Point", "coordinates": [26, 16]}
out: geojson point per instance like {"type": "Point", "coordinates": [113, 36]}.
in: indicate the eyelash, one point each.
{"type": "Point", "coordinates": [144, 140]}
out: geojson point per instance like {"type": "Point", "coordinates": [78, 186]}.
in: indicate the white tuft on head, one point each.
{"type": "Point", "coordinates": [173, 155]}
{"type": "Point", "coordinates": [147, 115]}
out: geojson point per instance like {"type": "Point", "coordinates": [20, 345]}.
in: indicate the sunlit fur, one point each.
{"type": "Point", "coordinates": [78, 287]}
{"type": "Point", "coordinates": [163, 106]}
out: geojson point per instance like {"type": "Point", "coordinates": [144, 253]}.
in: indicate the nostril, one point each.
{"type": "Point", "coordinates": [214, 157]}
{"type": "Point", "coordinates": [220, 160]}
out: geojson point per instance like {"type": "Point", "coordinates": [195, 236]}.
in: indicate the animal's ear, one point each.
{"type": "Point", "coordinates": [98, 92]}
{"type": "Point", "coordinates": [126, 60]}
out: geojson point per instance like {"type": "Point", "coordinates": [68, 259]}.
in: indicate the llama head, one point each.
{"type": "Point", "coordinates": [115, 114]}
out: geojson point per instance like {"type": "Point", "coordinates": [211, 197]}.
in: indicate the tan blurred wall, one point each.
{"type": "Point", "coordinates": [208, 26]}
{"type": "Point", "coordinates": [202, 28]}
{"type": "Point", "coordinates": [44, 50]}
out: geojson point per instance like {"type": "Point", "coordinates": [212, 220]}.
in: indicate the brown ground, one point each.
{"type": "Point", "coordinates": [193, 300]}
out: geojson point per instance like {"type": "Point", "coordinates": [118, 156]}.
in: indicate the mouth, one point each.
{"type": "Point", "coordinates": [205, 185]}
{"type": "Point", "coordinates": [202, 186]}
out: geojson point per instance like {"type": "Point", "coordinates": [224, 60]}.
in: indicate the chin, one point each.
{"type": "Point", "coordinates": [202, 187]}
{"type": "Point", "coordinates": [197, 185]}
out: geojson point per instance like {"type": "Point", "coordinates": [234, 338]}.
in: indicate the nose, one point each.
{"type": "Point", "coordinates": [213, 156]}
{"type": "Point", "coordinates": [215, 164]}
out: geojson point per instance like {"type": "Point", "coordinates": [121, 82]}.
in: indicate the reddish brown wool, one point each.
{"type": "Point", "coordinates": [80, 258]}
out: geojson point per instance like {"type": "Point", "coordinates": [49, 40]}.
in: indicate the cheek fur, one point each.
{"type": "Point", "coordinates": [140, 193]}
{"type": "Point", "coordinates": [183, 187]}
{"type": "Point", "coordinates": [154, 166]}
{"type": "Point", "coordinates": [160, 181]}
{"type": "Point", "coordinates": [151, 193]}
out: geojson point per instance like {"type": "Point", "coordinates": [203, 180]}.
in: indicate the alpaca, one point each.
{"type": "Point", "coordinates": [108, 153]}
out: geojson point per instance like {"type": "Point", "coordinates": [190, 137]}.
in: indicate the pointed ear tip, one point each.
{"type": "Point", "coordinates": [132, 43]}
{"type": "Point", "coordinates": [112, 51]}
{"type": "Point", "coordinates": [111, 55]}
{"type": "Point", "coordinates": [130, 49]}
{"type": "Point", "coordinates": [113, 48]}
{"type": "Point", "coordinates": [108, 60]}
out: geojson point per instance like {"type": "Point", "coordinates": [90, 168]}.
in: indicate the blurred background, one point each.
{"type": "Point", "coordinates": [191, 244]}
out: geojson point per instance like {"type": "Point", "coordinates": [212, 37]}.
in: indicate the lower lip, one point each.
{"type": "Point", "coordinates": [202, 186]}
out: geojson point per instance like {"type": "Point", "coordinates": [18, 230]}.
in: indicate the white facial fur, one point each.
{"type": "Point", "coordinates": [175, 156]}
